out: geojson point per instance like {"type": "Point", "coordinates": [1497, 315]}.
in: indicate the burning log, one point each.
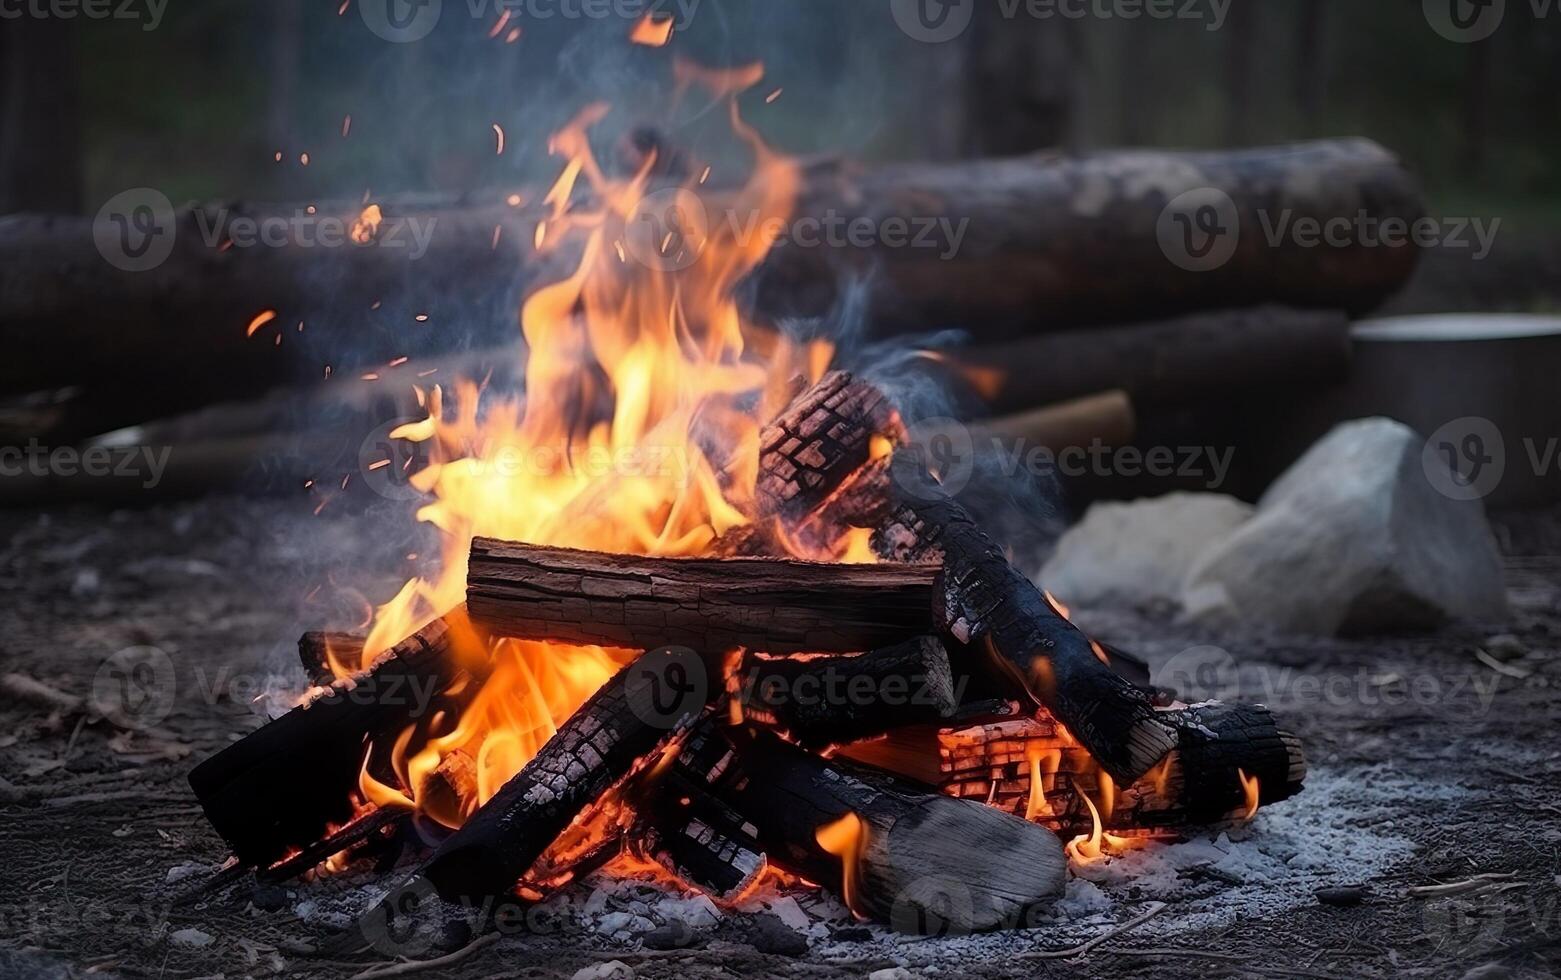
{"type": "Point", "coordinates": [700, 839]}
{"type": "Point", "coordinates": [616, 733]}
{"type": "Point", "coordinates": [986, 603]}
{"type": "Point", "coordinates": [318, 649]}
{"type": "Point", "coordinates": [1228, 751]}
{"type": "Point", "coordinates": [286, 784]}
{"type": "Point", "coordinates": [1191, 360]}
{"type": "Point", "coordinates": [820, 440]}
{"type": "Point", "coordinates": [770, 604]}
{"type": "Point", "coordinates": [894, 850]}
{"type": "Point", "coordinates": [822, 701]}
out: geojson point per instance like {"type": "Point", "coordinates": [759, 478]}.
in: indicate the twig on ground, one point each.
{"type": "Point", "coordinates": [416, 966]}
{"type": "Point", "coordinates": [1475, 884]}
{"type": "Point", "coordinates": [1154, 909]}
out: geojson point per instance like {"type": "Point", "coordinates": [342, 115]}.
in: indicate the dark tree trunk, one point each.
{"type": "Point", "coordinates": [40, 151]}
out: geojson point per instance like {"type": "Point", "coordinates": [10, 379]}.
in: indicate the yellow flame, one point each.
{"type": "Point", "coordinates": [846, 838]}
{"type": "Point", "coordinates": [1250, 788]}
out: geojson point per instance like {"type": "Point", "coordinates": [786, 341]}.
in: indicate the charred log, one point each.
{"type": "Point", "coordinates": [284, 785]}
{"type": "Point", "coordinates": [984, 602]}
{"type": "Point", "coordinates": [700, 839]}
{"type": "Point", "coordinates": [895, 850]}
{"type": "Point", "coordinates": [826, 700]}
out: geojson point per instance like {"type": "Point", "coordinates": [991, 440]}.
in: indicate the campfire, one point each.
{"type": "Point", "coordinates": [706, 611]}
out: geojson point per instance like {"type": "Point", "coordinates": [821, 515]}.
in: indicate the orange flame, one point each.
{"type": "Point", "coordinates": [1249, 787]}
{"type": "Point", "coordinates": [652, 31]}
{"type": "Point", "coordinates": [846, 838]}
{"type": "Point", "coordinates": [638, 433]}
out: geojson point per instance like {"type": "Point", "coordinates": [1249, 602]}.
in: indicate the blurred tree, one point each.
{"type": "Point", "coordinates": [1311, 60]}
{"type": "Point", "coordinates": [1021, 83]}
{"type": "Point", "coordinates": [40, 147]}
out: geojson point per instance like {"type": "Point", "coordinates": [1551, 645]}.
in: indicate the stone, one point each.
{"type": "Point", "coordinates": [673, 935]}
{"type": "Point", "coordinates": [768, 934]}
{"type": "Point", "coordinates": [1138, 554]}
{"type": "Point", "coordinates": [611, 970]}
{"type": "Point", "coordinates": [1355, 537]}
{"type": "Point", "coordinates": [892, 973]}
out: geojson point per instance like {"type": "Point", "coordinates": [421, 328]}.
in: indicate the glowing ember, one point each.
{"type": "Point", "coordinates": [652, 31]}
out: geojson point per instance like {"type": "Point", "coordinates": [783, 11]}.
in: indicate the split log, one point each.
{"type": "Point", "coordinates": [616, 733]}
{"type": "Point", "coordinates": [986, 603]}
{"type": "Point", "coordinates": [629, 601]}
{"type": "Point", "coordinates": [822, 701]}
{"type": "Point", "coordinates": [284, 785]}
{"type": "Point", "coordinates": [700, 839]}
{"type": "Point", "coordinates": [1193, 360]}
{"type": "Point", "coordinates": [896, 851]}
{"type": "Point", "coordinates": [1049, 242]}
{"type": "Point", "coordinates": [998, 762]}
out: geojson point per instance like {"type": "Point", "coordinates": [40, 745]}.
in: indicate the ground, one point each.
{"type": "Point", "coordinates": [1428, 765]}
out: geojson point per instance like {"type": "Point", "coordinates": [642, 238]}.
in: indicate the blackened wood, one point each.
{"type": "Point", "coordinates": [700, 839]}
{"type": "Point", "coordinates": [317, 648]}
{"type": "Point", "coordinates": [283, 785]}
{"type": "Point", "coordinates": [617, 732]}
{"type": "Point", "coordinates": [358, 830]}
{"type": "Point", "coordinates": [984, 602]}
{"type": "Point", "coordinates": [929, 863]}
{"type": "Point", "coordinates": [1197, 359]}
{"type": "Point", "coordinates": [822, 437]}
{"type": "Point", "coordinates": [1218, 744]}
{"type": "Point", "coordinates": [821, 701]}
{"type": "Point", "coordinates": [629, 601]}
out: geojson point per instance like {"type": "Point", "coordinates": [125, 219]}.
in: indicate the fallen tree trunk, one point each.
{"type": "Point", "coordinates": [1197, 359]}
{"type": "Point", "coordinates": [1043, 242]}
{"type": "Point", "coordinates": [896, 851]}
{"type": "Point", "coordinates": [771, 604]}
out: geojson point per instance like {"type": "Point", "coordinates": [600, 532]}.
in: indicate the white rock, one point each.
{"type": "Point", "coordinates": [1138, 554]}
{"type": "Point", "coordinates": [788, 911]}
{"type": "Point", "coordinates": [611, 970]}
{"type": "Point", "coordinates": [190, 937]}
{"type": "Point", "coordinates": [1353, 537]}
{"type": "Point", "coordinates": [892, 973]}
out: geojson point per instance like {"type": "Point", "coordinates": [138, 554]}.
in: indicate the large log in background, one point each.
{"type": "Point", "coordinates": [1050, 242]}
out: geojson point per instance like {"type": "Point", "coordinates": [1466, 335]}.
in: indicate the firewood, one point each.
{"type": "Point", "coordinates": [1197, 359]}
{"type": "Point", "coordinates": [700, 839]}
{"type": "Point", "coordinates": [283, 785]}
{"type": "Point", "coordinates": [821, 701]}
{"type": "Point", "coordinates": [1201, 783]}
{"type": "Point", "coordinates": [318, 648]}
{"type": "Point", "coordinates": [823, 437]}
{"type": "Point", "coordinates": [895, 850]}
{"type": "Point", "coordinates": [985, 602]}
{"type": "Point", "coordinates": [629, 601]}
{"type": "Point", "coordinates": [616, 733]}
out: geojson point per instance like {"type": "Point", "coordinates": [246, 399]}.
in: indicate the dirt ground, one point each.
{"type": "Point", "coordinates": [1429, 765]}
